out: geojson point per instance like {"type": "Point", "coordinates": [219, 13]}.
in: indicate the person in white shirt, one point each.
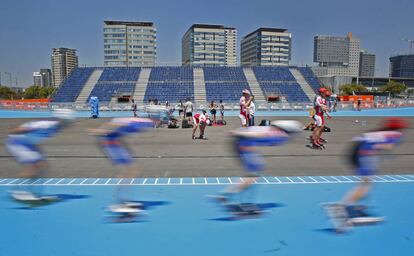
{"type": "Point", "coordinates": [188, 110]}
{"type": "Point", "coordinates": [244, 103]}
{"type": "Point", "coordinates": [252, 109]}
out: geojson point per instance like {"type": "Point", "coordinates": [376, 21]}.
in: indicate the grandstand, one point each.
{"type": "Point", "coordinates": [224, 83]}
{"type": "Point", "coordinates": [295, 84]}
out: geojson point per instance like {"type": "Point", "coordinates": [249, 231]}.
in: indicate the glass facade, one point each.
{"type": "Point", "coordinates": [138, 37]}
{"type": "Point", "coordinates": [266, 47]}
{"type": "Point", "coordinates": [208, 45]}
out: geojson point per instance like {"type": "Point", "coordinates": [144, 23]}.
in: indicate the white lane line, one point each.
{"type": "Point", "coordinates": [335, 178]}
{"type": "Point", "coordinates": [35, 181]}
{"type": "Point", "coordinates": [356, 177]}
{"type": "Point", "coordinates": [380, 178]}
{"type": "Point", "coordinates": [402, 177]}
{"type": "Point", "coordinates": [390, 177]}
{"type": "Point", "coordinates": [47, 181]}
{"type": "Point", "coordinates": [325, 179]}
{"type": "Point", "coordinates": [301, 179]}
{"type": "Point", "coordinates": [348, 179]}
{"type": "Point", "coordinates": [12, 181]}
{"type": "Point", "coordinates": [289, 180]}
{"type": "Point", "coordinates": [24, 180]}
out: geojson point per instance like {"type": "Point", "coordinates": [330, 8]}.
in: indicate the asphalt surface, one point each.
{"type": "Point", "coordinates": [166, 152]}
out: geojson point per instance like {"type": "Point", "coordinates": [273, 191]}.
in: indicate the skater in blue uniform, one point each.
{"type": "Point", "coordinates": [246, 140]}
{"type": "Point", "coordinates": [110, 139]}
{"type": "Point", "coordinates": [365, 154]}
{"type": "Point", "coordinates": [364, 157]}
{"type": "Point", "coordinates": [24, 145]}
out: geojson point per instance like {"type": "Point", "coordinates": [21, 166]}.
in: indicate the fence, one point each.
{"type": "Point", "coordinates": [260, 106]}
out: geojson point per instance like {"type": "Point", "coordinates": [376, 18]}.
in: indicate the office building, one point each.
{"type": "Point", "coordinates": [336, 55]}
{"type": "Point", "coordinates": [37, 79]}
{"type": "Point", "coordinates": [64, 60]}
{"type": "Point", "coordinates": [129, 44]}
{"type": "Point", "coordinates": [209, 45]}
{"type": "Point", "coordinates": [266, 47]}
{"type": "Point", "coordinates": [366, 64]}
{"type": "Point", "coordinates": [402, 66]}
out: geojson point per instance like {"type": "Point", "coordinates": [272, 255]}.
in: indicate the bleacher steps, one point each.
{"type": "Point", "coordinates": [200, 97]}
{"type": "Point", "coordinates": [254, 85]}
{"type": "Point", "coordinates": [141, 85]}
{"type": "Point", "coordinates": [89, 85]}
{"type": "Point", "coordinates": [303, 83]}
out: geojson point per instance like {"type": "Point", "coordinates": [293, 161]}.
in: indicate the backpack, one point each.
{"type": "Point", "coordinates": [264, 122]}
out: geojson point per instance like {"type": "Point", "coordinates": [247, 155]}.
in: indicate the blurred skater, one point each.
{"type": "Point", "coordinates": [245, 142]}
{"type": "Point", "coordinates": [110, 140]}
{"type": "Point", "coordinates": [364, 155]}
{"type": "Point", "coordinates": [23, 144]}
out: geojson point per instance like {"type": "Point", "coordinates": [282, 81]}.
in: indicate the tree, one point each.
{"type": "Point", "coordinates": [6, 93]}
{"type": "Point", "coordinates": [38, 92]}
{"type": "Point", "coordinates": [348, 89]}
{"type": "Point", "coordinates": [393, 87]}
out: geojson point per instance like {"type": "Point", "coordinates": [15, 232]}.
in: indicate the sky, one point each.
{"type": "Point", "coordinates": [30, 29]}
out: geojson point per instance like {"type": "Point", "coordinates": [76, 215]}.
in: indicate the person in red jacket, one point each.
{"type": "Point", "coordinates": [200, 120]}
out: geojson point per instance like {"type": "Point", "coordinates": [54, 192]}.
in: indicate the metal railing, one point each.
{"type": "Point", "coordinates": [260, 106]}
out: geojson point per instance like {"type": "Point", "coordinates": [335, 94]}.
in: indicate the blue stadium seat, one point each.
{"type": "Point", "coordinates": [72, 86]}
{"type": "Point", "coordinates": [279, 81]}
{"type": "Point", "coordinates": [310, 77]}
{"type": "Point", "coordinates": [224, 83]}
{"type": "Point", "coordinates": [177, 83]}
{"type": "Point", "coordinates": [170, 84]}
{"type": "Point", "coordinates": [106, 90]}
{"type": "Point", "coordinates": [120, 74]}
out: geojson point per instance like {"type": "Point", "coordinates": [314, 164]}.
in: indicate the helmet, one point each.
{"type": "Point", "coordinates": [289, 126]}
{"type": "Point", "coordinates": [245, 91]}
{"type": "Point", "coordinates": [322, 90]}
{"type": "Point", "coordinates": [328, 93]}
{"type": "Point", "coordinates": [64, 114]}
{"type": "Point", "coordinates": [395, 123]}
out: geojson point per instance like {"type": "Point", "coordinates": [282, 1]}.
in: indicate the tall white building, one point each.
{"type": "Point", "coordinates": [336, 55]}
{"type": "Point", "coordinates": [129, 44]}
{"type": "Point", "coordinates": [266, 47]}
{"type": "Point", "coordinates": [64, 60]}
{"type": "Point", "coordinates": [205, 45]}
